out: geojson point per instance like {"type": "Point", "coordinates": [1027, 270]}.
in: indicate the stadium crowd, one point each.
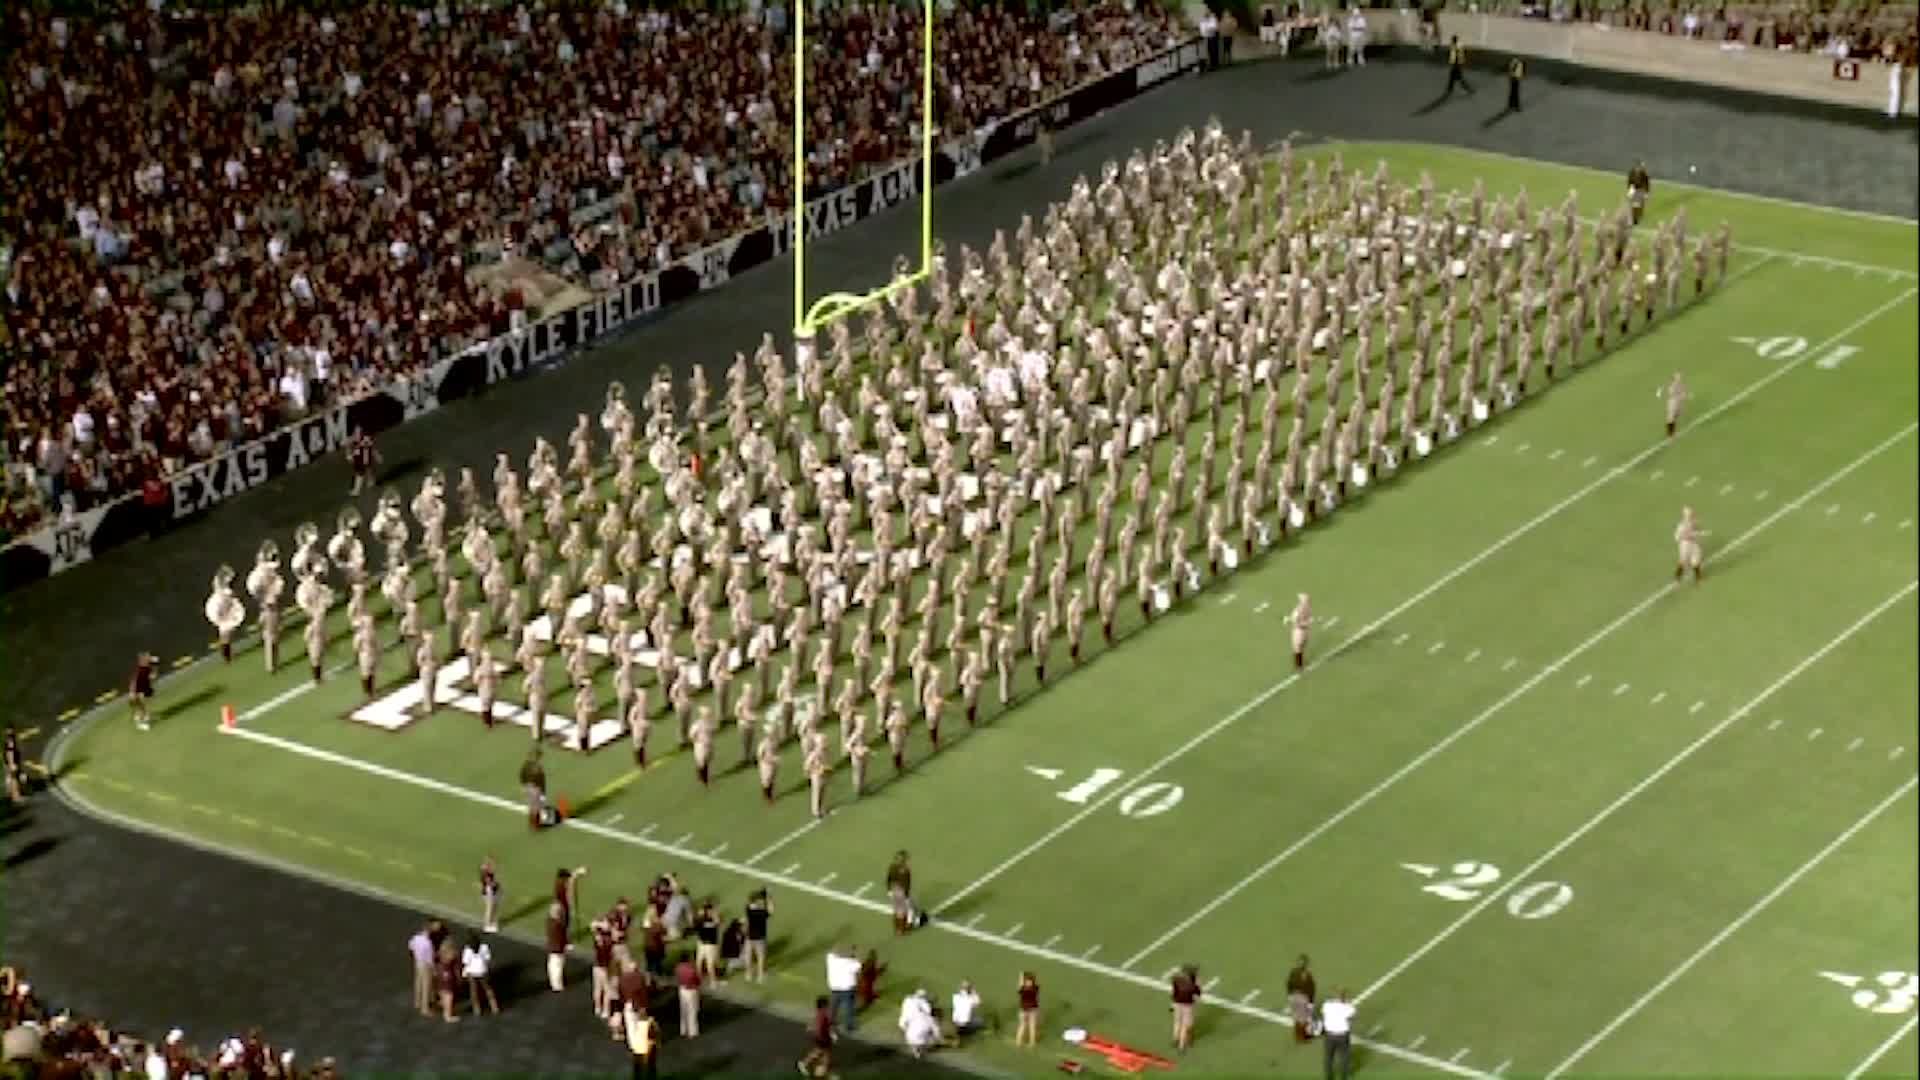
{"type": "Point", "coordinates": [1873, 31]}
{"type": "Point", "coordinates": [214, 223]}
{"type": "Point", "coordinates": [40, 1041]}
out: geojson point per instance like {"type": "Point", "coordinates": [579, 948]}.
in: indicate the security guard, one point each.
{"type": "Point", "coordinates": [1516, 70]}
{"type": "Point", "coordinates": [1456, 67]}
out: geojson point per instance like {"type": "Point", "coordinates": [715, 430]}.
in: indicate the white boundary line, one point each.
{"type": "Point", "coordinates": [709, 861]}
{"type": "Point", "coordinates": [1368, 630]}
{"type": "Point", "coordinates": [1634, 792]}
{"type": "Point", "coordinates": [1733, 927]}
{"type": "Point", "coordinates": [1880, 1051]}
{"type": "Point", "coordinates": [1486, 714]}
{"type": "Point", "coordinates": [1774, 200]}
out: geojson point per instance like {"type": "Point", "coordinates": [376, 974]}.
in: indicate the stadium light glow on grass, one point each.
{"type": "Point", "coordinates": [807, 319]}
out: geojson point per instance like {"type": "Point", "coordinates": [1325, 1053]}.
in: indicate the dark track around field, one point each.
{"type": "Point", "coordinates": [153, 935]}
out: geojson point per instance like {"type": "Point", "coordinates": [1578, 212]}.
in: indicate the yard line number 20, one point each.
{"type": "Point", "coordinates": [1465, 881]}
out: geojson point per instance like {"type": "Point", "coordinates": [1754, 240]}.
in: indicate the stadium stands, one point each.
{"type": "Point", "coordinates": [213, 223]}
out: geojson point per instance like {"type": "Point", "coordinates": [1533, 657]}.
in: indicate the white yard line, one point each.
{"type": "Point", "coordinates": [1443, 581]}
{"type": "Point", "coordinates": [1880, 1051]}
{"type": "Point", "coordinates": [1594, 822]}
{"type": "Point", "coordinates": [784, 841]}
{"type": "Point", "coordinates": [1733, 927]}
{"type": "Point", "coordinates": [1488, 713]}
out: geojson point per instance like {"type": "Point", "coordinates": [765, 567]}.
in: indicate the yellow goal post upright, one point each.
{"type": "Point", "coordinates": [808, 318]}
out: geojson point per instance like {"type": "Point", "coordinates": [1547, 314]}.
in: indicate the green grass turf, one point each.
{"type": "Point", "coordinates": [1524, 697]}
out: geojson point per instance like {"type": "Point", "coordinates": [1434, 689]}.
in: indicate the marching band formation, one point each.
{"type": "Point", "coordinates": [1188, 359]}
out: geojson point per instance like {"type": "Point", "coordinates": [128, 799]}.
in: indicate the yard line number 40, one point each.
{"type": "Point", "coordinates": [1465, 881]}
{"type": "Point", "coordinates": [1787, 347]}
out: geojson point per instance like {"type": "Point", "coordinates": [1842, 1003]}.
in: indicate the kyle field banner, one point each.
{"type": "Point", "coordinates": [55, 547]}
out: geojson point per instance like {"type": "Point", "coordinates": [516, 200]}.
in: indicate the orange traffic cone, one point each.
{"type": "Point", "coordinates": [227, 719]}
{"type": "Point", "coordinates": [562, 808]}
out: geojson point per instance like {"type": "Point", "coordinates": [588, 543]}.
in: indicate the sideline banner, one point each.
{"type": "Point", "coordinates": [58, 545]}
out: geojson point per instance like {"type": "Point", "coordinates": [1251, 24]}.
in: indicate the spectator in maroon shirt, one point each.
{"type": "Point", "coordinates": [686, 976]}
{"type": "Point", "coordinates": [819, 1059]}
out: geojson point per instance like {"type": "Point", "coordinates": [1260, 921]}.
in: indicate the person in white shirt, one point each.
{"type": "Point", "coordinates": [1336, 1027]}
{"type": "Point", "coordinates": [843, 976]}
{"type": "Point", "coordinates": [917, 1024]}
{"type": "Point", "coordinates": [476, 961]}
{"type": "Point", "coordinates": [966, 1011]}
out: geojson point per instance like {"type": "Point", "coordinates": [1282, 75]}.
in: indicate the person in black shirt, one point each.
{"type": "Point", "coordinates": [16, 766]}
{"type": "Point", "coordinates": [363, 457]}
{"type": "Point", "coordinates": [706, 930]}
{"type": "Point", "coordinates": [759, 911]}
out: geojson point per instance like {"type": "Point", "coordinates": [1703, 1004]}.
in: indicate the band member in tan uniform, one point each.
{"type": "Point", "coordinates": [1686, 537]}
{"type": "Point", "coordinates": [1676, 395]}
{"type": "Point", "coordinates": [1299, 621]}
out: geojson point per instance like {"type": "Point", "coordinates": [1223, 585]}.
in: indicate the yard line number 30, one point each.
{"type": "Point", "coordinates": [1465, 881]}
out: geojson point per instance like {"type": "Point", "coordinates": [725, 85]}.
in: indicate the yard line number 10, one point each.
{"type": "Point", "coordinates": [1147, 800]}
{"type": "Point", "coordinates": [1465, 881]}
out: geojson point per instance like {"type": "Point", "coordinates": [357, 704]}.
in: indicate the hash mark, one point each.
{"type": "Point", "coordinates": [1510, 664]}
{"type": "Point", "coordinates": [682, 842]}
{"type": "Point", "coordinates": [1248, 999]}
{"type": "Point", "coordinates": [1401, 640]}
{"type": "Point", "coordinates": [1657, 474]}
{"type": "Point", "coordinates": [1228, 599]}
{"type": "Point", "coordinates": [1375, 1030]}
{"type": "Point", "coordinates": [1868, 520]}
{"type": "Point", "coordinates": [615, 819]}
{"type": "Point", "coordinates": [1417, 1043]}
{"type": "Point", "coordinates": [825, 881]}
{"type": "Point", "coordinates": [1050, 942]}
{"type": "Point", "coordinates": [1726, 489]}
{"type": "Point", "coordinates": [1436, 647]}
{"type": "Point", "coordinates": [1764, 492]}
{"type": "Point", "coordinates": [1906, 524]}
{"type": "Point", "coordinates": [1814, 734]}
{"type": "Point", "coordinates": [975, 921]}
{"type": "Point", "coordinates": [1472, 656]}
{"type": "Point", "coordinates": [1584, 680]}
{"type": "Point", "coordinates": [715, 853]}
{"type": "Point", "coordinates": [1697, 706]}
{"type": "Point", "coordinates": [1015, 929]}
{"type": "Point", "coordinates": [862, 890]}
{"type": "Point", "coordinates": [1555, 456]}
{"type": "Point", "coordinates": [1502, 1067]}
{"type": "Point", "coordinates": [1590, 462]}
{"type": "Point", "coordinates": [1458, 1054]}
{"type": "Point", "coordinates": [1524, 447]}
{"type": "Point", "coordinates": [648, 831]}
{"type": "Point", "coordinates": [1621, 689]}
{"type": "Point", "coordinates": [1491, 439]}
{"type": "Point", "coordinates": [788, 872]}
{"type": "Point", "coordinates": [1775, 726]}
{"type": "Point", "coordinates": [1832, 510]}
{"type": "Point", "coordinates": [1262, 606]}
{"type": "Point", "coordinates": [1327, 624]}
{"type": "Point", "coordinates": [1088, 955]}
{"type": "Point", "coordinates": [1691, 480]}
{"type": "Point", "coordinates": [1896, 752]}
{"type": "Point", "coordinates": [1210, 984]}
{"type": "Point", "coordinates": [1658, 698]}
{"type": "Point", "coordinates": [182, 662]}
{"type": "Point", "coordinates": [1855, 744]}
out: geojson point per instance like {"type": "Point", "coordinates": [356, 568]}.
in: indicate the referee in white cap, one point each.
{"type": "Point", "coordinates": [1336, 1027]}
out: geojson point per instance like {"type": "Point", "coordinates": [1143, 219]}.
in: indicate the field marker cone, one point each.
{"type": "Point", "coordinates": [226, 717]}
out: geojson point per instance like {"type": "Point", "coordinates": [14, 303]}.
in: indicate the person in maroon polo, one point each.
{"type": "Point", "coordinates": [819, 1059]}
{"type": "Point", "coordinates": [686, 976]}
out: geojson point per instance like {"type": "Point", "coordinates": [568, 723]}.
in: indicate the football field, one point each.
{"type": "Point", "coordinates": [1540, 808]}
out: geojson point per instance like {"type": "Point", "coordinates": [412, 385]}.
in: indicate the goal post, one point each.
{"type": "Point", "coordinates": [809, 317]}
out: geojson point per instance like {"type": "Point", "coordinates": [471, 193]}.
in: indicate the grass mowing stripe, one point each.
{"type": "Point", "coordinates": [1733, 927]}
{"type": "Point", "coordinates": [1082, 963]}
{"type": "Point", "coordinates": [1880, 1051]}
{"type": "Point", "coordinates": [1491, 550]}
{"type": "Point", "coordinates": [1513, 695]}
{"type": "Point", "coordinates": [1633, 792]}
